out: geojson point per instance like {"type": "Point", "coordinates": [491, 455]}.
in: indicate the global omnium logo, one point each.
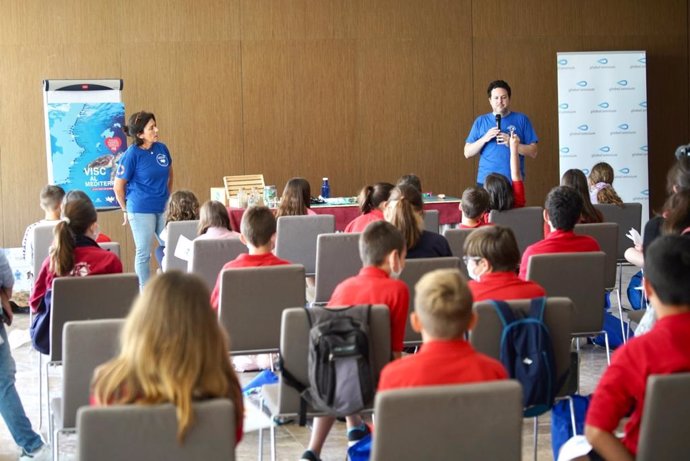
{"type": "Point", "coordinates": [645, 192]}
{"type": "Point", "coordinates": [562, 62]}
{"type": "Point", "coordinates": [644, 148]}
{"type": "Point", "coordinates": [563, 106]}
{"type": "Point", "coordinates": [582, 83]}
{"type": "Point", "coordinates": [565, 150]}
{"type": "Point", "coordinates": [605, 149]}
{"type": "Point", "coordinates": [624, 171]}
{"type": "Point", "coordinates": [622, 82]}
{"type": "Point", "coordinates": [583, 127]}
{"type": "Point", "coordinates": [603, 105]}
{"type": "Point", "coordinates": [624, 126]}
{"type": "Point", "coordinates": [643, 104]}
{"type": "Point", "coordinates": [603, 61]}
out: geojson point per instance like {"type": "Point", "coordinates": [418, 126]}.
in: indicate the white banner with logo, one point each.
{"type": "Point", "coordinates": [602, 117]}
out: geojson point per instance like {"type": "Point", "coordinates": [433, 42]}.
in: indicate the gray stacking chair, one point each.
{"type": "Point", "coordinates": [414, 270]}
{"type": "Point", "coordinates": [175, 230]}
{"type": "Point", "coordinates": [282, 400]}
{"type": "Point", "coordinates": [580, 277]}
{"type": "Point", "coordinates": [251, 302]}
{"type": "Point", "coordinates": [663, 434]}
{"type": "Point", "coordinates": [456, 239]}
{"type": "Point", "coordinates": [86, 345]}
{"type": "Point", "coordinates": [113, 247]}
{"type": "Point", "coordinates": [450, 422]}
{"type": "Point", "coordinates": [431, 220]}
{"type": "Point", "coordinates": [43, 235]}
{"type": "Point", "coordinates": [85, 298]}
{"type": "Point", "coordinates": [145, 432]}
{"type": "Point", "coordinates": [337, 258]}
{"type": "Point", "coordinates": [527, 224]}
{"type": "Point", "coordinates": [628, 216]}
{"type": "Point", "coordinates": [296, 238]}
{"type": "Point", "coordinates": [210, 255]}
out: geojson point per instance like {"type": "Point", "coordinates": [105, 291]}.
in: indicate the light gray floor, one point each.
{"type": "Point", "coordinates": [292, 439]}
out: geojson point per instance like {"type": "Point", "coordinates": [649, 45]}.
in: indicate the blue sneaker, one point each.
{"type": "Point", "coordinates": [265, 377]}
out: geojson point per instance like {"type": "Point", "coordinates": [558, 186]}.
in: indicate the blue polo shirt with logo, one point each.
{"type": "Point", "coordinates": [146, 172]}
{"type": "Point", "coordinates": [494, 157]}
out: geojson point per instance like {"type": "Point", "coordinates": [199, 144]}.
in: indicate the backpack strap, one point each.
{"type": "Point", "coordinates": [504, 312]}
{"type": "Point", "coordinates": [536, 308]}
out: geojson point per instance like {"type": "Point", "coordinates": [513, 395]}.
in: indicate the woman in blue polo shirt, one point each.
{"type": "Point", "coordinates": [142, 186]}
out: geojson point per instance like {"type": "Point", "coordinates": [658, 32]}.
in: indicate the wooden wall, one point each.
{"type": "Point", "coordinates": [357, 90]}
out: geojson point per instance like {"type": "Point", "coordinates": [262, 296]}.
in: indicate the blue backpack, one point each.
{"type": "Point", "coordinates": [527, 355]}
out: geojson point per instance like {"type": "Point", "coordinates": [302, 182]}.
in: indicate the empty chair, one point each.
{"type": "Point", "coordinates": [86, 345]}
{"type": "Point", "coordinates": [337, 258]}
{"type": "Point", "coordinates": [629, 216]}
{"type": "Point", "coordinates": [42, 235]}
{"type": "Point", "coordinates": [210, 255]}
{"type": "Point", "coordinates": [297, 237]}
{"type": "Point", "coordinates": [527, 224]}
{"type": "Point", "coordinates": [251, 302]}
{"type": "Point", "coordinates": [662, 432]}
{"type": "Point", "coordinates": [282, 400]}
{"type": "Point", "coordinates": [580, 277]}
{"type": "Point", "coordinates": [414, 270]}
{"type": "Point", "coordinates": [450, 422]}
{"type": "Point", "coordinates": [112, 247]}
{"type": "Point", "coordinates": [145, 432]}
{"type": "Point", "coordinates": [431, 220]}
{"type": "Point", "coordinates": [175, 230]}
{"type": "Point", "coordinates": [456, 240]}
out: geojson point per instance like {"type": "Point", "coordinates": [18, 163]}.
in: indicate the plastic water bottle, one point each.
{"type": "Point", "coordinates": [325, 189]}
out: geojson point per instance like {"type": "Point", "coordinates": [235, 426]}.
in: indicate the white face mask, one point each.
{"type": "Point", "coordinates": [472, 268]}
{"type": "Point", "coordinates": [396, 274]}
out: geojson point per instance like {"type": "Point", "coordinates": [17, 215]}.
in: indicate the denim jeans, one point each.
{"type": "Point", "coordinates": [144, 225]}
{"type": "Point", "coordinates": [10, 406]}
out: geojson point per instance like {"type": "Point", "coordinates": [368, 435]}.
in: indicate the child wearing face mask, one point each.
{"type": "Point", "coordinates": [492, 257]}
{"type": "Point", "coordinates": [382, 250]}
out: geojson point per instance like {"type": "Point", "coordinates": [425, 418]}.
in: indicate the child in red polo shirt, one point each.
{"type": "Point", "coordinates": [443, 314]}
{"type": "Point", "coordinates": [382, 250]}
{"type": "Point", "coordinates": [258, 230]}
{"type": "Point", "coordinates": [664, 350]}
{"type": "Point", "coordinates": [474, 207]}
{"type": "Point", "coordinates": [492, 256]}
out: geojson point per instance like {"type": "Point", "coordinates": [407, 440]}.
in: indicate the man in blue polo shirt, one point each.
{"type": "Point", "coordinates": [491, 142]}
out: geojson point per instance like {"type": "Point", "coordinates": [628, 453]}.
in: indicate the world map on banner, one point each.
{"type": "Point", "coordinates": [86, 141]}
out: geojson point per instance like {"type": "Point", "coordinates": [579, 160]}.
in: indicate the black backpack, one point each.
{"type": "Point", "coordinates": [341, 380]}
{"type": "Point", "coordinates": [527, 355]}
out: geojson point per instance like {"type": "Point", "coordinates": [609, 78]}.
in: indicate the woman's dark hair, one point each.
{"type": "Point", "coordinates": [577, 180]}
{"type": "Point", "coordinates": [79, 214]}
{"type": "Point", "coordinates": [371, 197]}
{"type": "Point", "coordinates": [404, 211]}
{"type": "Point", "coordinates": [500, 191]}
{"type": "Point", "coordinates": [410, 180]}
{"type": "Point", "coordinates": [679, 176]}
{"type": "Point", "coordinates": [213, 214]}
{"type": "Point", "coordinates": [677, 213]}
{"type": "Point", "coordinates": [136, 125]}
{"type": "Point", "coordinates": [296, 198]}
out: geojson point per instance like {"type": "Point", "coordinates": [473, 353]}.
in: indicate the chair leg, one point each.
{"type": "Point", "coordinates": [608, 349]}
{"type": "Point", "coordinates": [56, 445]}
{"type": "Point", "coordinates": [536, 435]}
{"type": "Point", "coordinates": [571, 403]}
{"type": "Point", "coordinates": [273, 442]}
{"type": "Point", "coordinates": [620, 313]}
{"type": "Point", "coordinates": [40, 390]}
{"type": "Point", "coordinates": [261, 432]}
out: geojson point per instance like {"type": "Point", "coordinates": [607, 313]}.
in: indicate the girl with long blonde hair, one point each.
{"type": "Point", "coordinates": [172, 351]}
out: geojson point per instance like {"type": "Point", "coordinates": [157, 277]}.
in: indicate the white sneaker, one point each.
{"type": "Point", "coordinates": [42, 454]}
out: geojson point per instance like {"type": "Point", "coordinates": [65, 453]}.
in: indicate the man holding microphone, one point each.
{"type": "Point", "coordinates": [490, 134]}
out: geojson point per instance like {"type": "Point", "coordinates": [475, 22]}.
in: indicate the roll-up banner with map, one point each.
{"type": "Point", "coordinates": [84, 136]}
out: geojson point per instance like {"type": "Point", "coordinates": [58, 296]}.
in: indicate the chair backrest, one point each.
{"type": "Point", "coordinates": [297, 237]}
{"type": "Point", "coordinates": [245, 182]}
{"type": "Point", "coordinates": [527, 224]}
{"type": "Point", "coordinates": [606, 235]}
{"type": "Point", "coordinates": [628, 216]}
{"type": "Point", "coordinates": [431, 220]}
{"type": "Point", "coordinates": [210, 255]}
{"type": "Point", "coordinates": [451, 422]}
{"type": "Point", "coordinates": [414, 270]}
{"type": "Point", "coordinates": [113, 247]}
{"type": "Point", "coordinates": [251, 302]}
{"type": "Point", "coordinates": [175, 230]}
{"type": "Point", "coordinates": [666, 408]}
{"type": "Point", "coordinates": [337, 258]}
{"type": "Point", "coordinates": [42, 235]}
{"type": "Point", "coordinates": [86, 344]}
{"type": "Point", "coordinates": [89, 298]}
{"type": "Point", "coordinates": [578, 276]}
{"type": "Point", "coordinates": [559, 314]}
{"type": "Point", "coordinates": [144, 432]}
{"type": "Point", "coordinates": [294, 350]}
{"type": "Point", "coordinates": [456, 239]}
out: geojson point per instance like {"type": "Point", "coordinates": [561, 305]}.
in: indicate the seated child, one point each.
{"type": "Point", "coordinates": [182, 206]}
{"type": "Point", "coordinates": [601, 185]}
{"type": "Point", "coordinates": [663, 350]}
{"type": "Point", "coordinates": [214, 222]}
{"type": "Point", "coordinates": [50, 202]}
{"type": "Point", "coordinates": [562, 211]}
{"type": "Point", "coordinates": [503, 194]}
{"type": "Point", "coordinates": [442, 314]}
{"type": "Point", "coordinates": [296, 199]}
{"type": "Point", "coordinates": [372, 201]}
{"type": "Point", "coordinates": [492, 257]}
{"type": "Point", "coordinates": [258, 231]}
{"type": "Point", "coordinates": [410, 180]}
{"type": "Point", "coordinates": [474, 207]}
{"type": "Point", "coordinates": [76, 194]}
{"type": "Point", "coordinates": [382, 250]}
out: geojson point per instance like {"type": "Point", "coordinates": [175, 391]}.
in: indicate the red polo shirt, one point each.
{"type": "Point", "coordinates": [558, 241]}
{"type": "Point", "coordinates": [441, 362]}
{"type": "Point", "coordinates": [664, 350]}
{"type": "Point", "coordinates": [504, 286]}
{"type": "Point", "coordinates": [361, 222]}
{"type": "Point", "coordinates": [373, 286]}
{"type": "Point", "coordinates": [245, 260]}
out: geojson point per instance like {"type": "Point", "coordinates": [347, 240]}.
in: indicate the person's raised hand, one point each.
{"type": "Point", "coordinates": [514, 140]}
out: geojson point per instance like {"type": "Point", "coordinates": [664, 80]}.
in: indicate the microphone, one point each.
{"type": "Point", "coordinates": [498, 121]}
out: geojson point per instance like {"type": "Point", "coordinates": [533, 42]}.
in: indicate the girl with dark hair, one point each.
{"type": "Point", "coordinates": [601, 185]}
{"type": "Point", "coordinates": [577, 180]}
{"type": "Point", "coordinates": [142, 186]}
{"type": "Point", "coordinates": [214, 222]}
{"type": "Point", "coordinates": [502, 194]}
{"type": "Point", "coordinates": [372, 201]}
{"type": "Point", "coordinates": [296, 199]}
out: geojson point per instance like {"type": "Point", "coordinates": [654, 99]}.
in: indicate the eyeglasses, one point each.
{"type": "Point", "coordinates": [467, 259]}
